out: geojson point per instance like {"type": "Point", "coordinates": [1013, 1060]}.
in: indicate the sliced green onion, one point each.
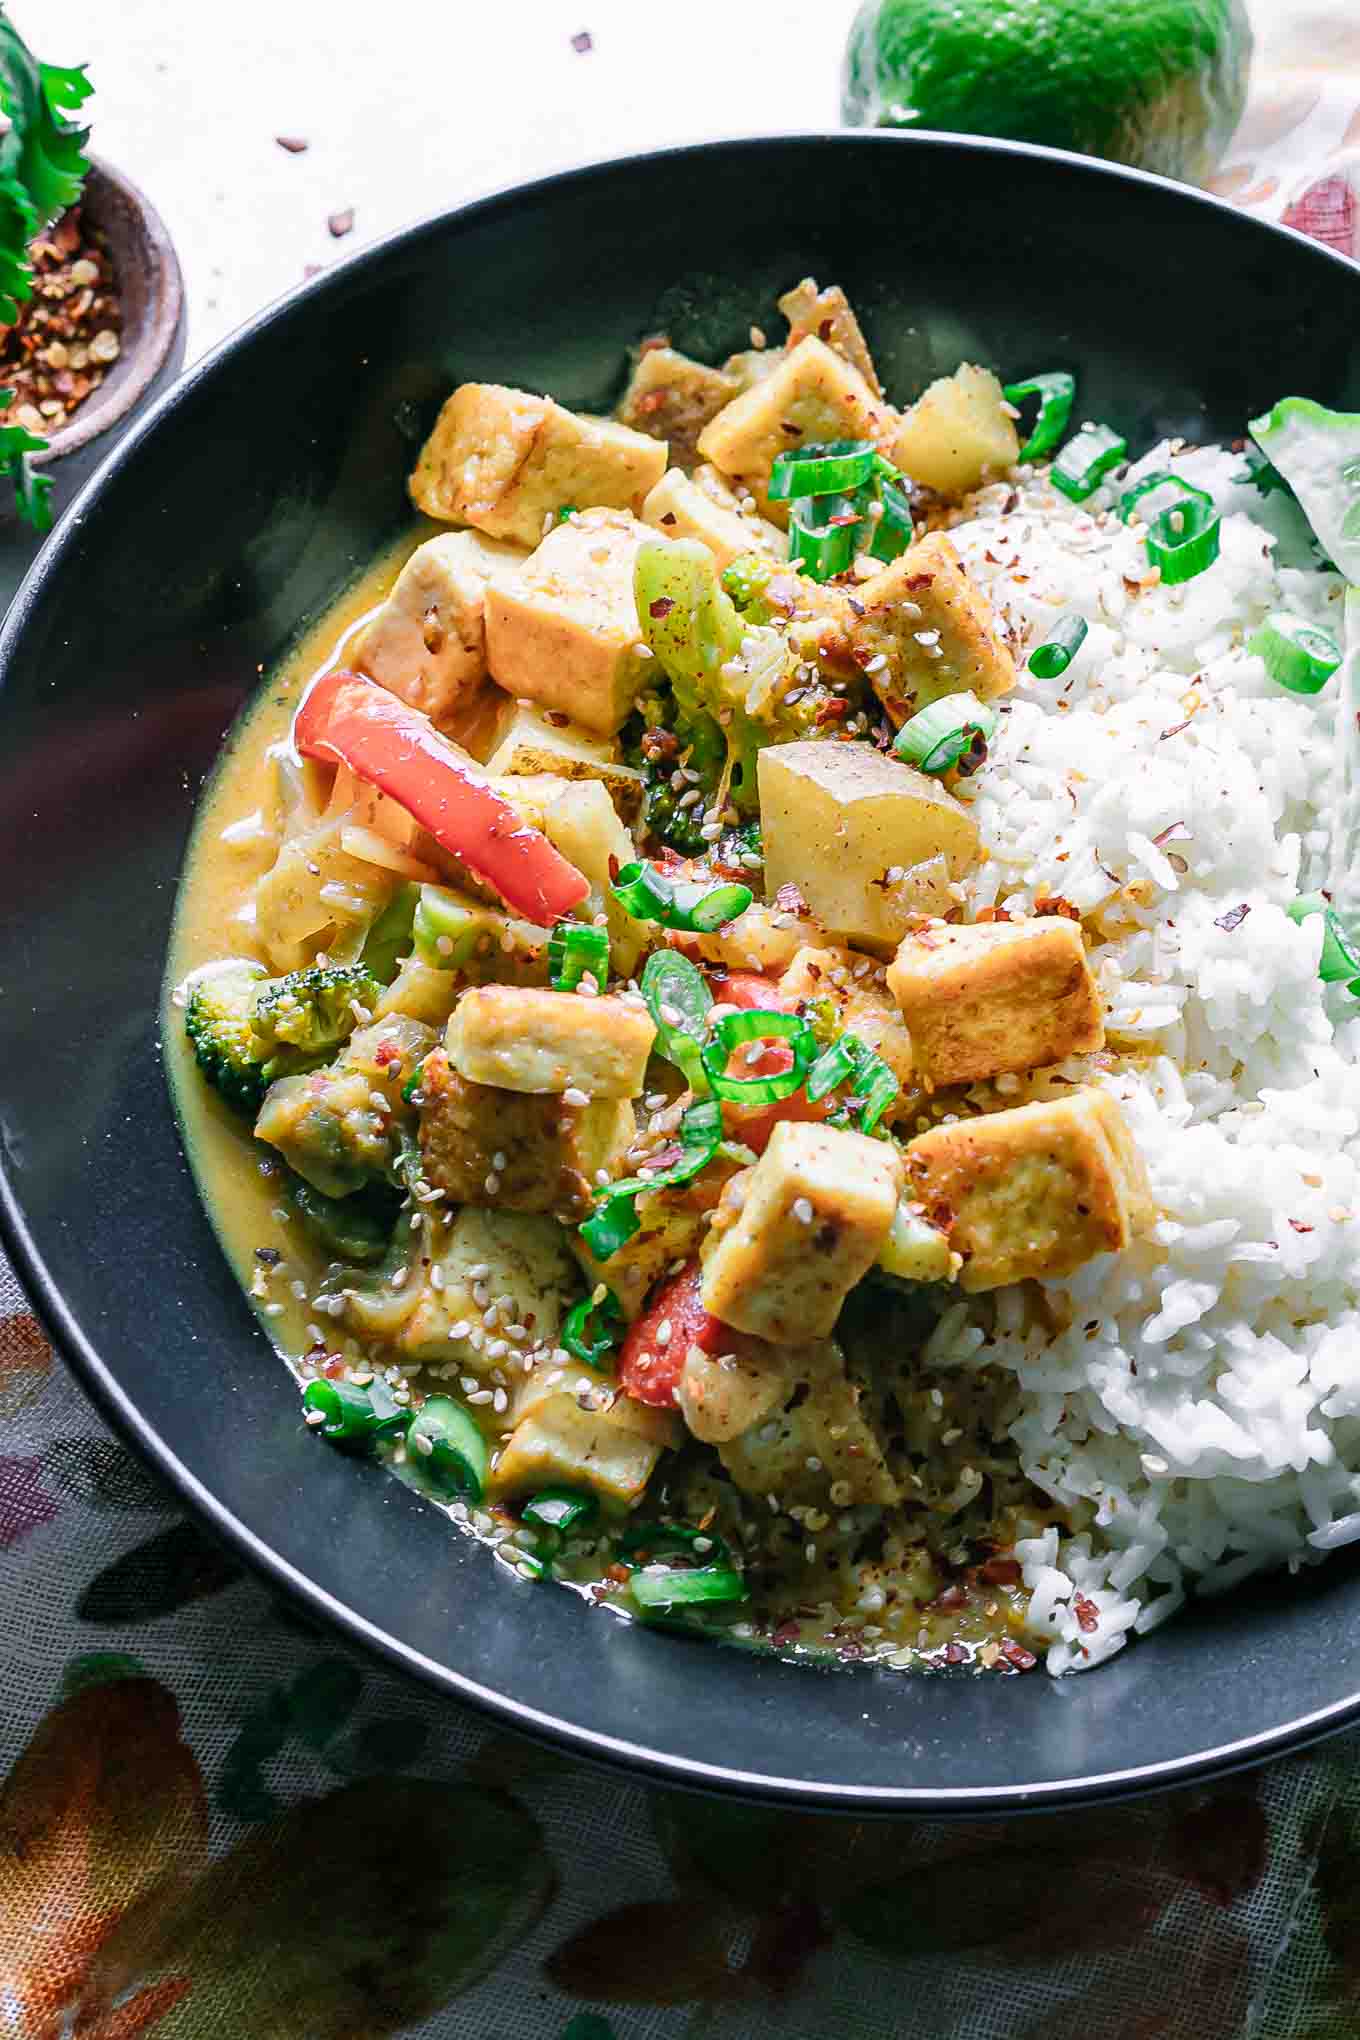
{"type": "Point", "coordinates": [953, 731]}
{"type": "Point", "coordinates": [1184, 540]}
{"type": "Point", "coordinates": [559, 1511]}
{"type": "Point", "coordinates": [1338, 961]}
{"type": "Point", "coordinates": [575, 951]}
{"type": "Point", "coordinates": [668, 1586]}
{"type": "Point", "coordinates": [446, 1445]}
{"type": "Point", "coordinates": [826, 549]}
{"type": "Point", "coordinates": [830, 469]}
{"type": "Point", "coordinates": [614, 1220]}
{"type": "Point", "coordinates": [354, 1417]}
{"type": "Point", "coordinates": [734, 1029]}
{"type": "Point", "coordinates": [1055, 392]}
{"type": "Point", "coordinates": [877, 1085]}
{"type": "Point", "coordinates": [747, 578]}
{"type": "Point", "coordinates": [1051, 659]}
{"type": "Point", "coordinates": [835, 1065]}
{"type": "Point", "coordinates": [566, 511]}
{"type": "Point", "coordinates": [678, 1000]}
{"type": "Point", "coordinates": [644, 1541]}
{"type": "Point", "coordinates": [1085, 461]}
{"type": "Point", "coordinates": [1300, 656]}
{"type": "Point", "coordinates": [1131, 499]}
{"type": "Point", "coordinates": [592, 1329]}
{"type": "Point", "coordinates": [695, 908]}
{"type": "Point", "coordinates": [892, 529]}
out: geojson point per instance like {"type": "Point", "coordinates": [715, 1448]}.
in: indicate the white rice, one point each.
{"type": "Point", "coordinates": [1201, 1415]}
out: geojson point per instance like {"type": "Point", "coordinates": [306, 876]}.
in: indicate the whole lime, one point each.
{"type": "Point", "coordinates": [1156, 83]}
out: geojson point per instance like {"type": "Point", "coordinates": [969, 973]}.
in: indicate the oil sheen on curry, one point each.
{"type": "Point", "coordinates": [595, 1057]}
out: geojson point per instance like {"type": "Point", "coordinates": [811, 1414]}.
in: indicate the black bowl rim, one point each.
{"type": "Point", "coordinates": [100, 1380]}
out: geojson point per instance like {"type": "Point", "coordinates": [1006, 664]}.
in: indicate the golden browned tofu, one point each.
{"type": "Point", "coordinates": [813, 394]}
{"type": "Point", "coordinates": [855, 985]}
{"type": "Point", "coordinates": [563, 1445]}
{"type": "Point", "coordinates": [529, 740]}
{"type": "Point", "coordinates": [671, 397]}
{"type": "Point", "coordinates": [818, 1447]}
{"type": "Point", "coordinates": [849, 827]}
{"type": "Point", "coordinates": [721, 1395]}
{"type": "Point", "coordinates": [810, 1219]}
{"type": "Point", "coordinates": [516, 1150]}
{"type": "Point", "coordinates": [517, 1256]}
{"type": "Point", "coordinates": [673, 1224]}
{"type": "Point", "coordinates": [1033, 1192]}
{"type": "Point", "coordinates": [507, 462]}
{"type": "Point", "coordinates": [827, 315]}
{"type": "Point", "coordinates": [563, 630]}
{"type": "Point", "coordinates": [684, 508]}
{"type": "Point", "coordinates": [958, 434]}
{"type": "Point", "coordinates": [522, 1038]}
{"type": "Point", "coordinates": [925, 630]}
{"type": "Point", "coordinates": [1002, 996]}
{"type": "Point", "coordinates": [428, 641]}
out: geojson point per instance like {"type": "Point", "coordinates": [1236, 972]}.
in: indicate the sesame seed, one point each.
{"type": "Point", "coordinates": [460, 1330]}
{"type": "Point", "coordinates": [422, 1442]}
{"type": "Point", "coordinates": [313, 1417]}
{"type": "Point", "coordinates": [802, 1210]}
{"type": "Point", "coordinates": [573, 1095]}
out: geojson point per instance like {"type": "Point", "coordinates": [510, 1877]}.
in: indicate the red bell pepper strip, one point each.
{"type": "Point", "coordinates": [647, 1371]}
{"type": "Point", "coordinates": [352, 721]}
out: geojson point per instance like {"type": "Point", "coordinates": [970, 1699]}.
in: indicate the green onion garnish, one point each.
{"type": "Point", "coordinates": [1131, 499]}
{"type": "Point", "coordinates": [606, 1319]}
{"type": "Point", "coordinates": [747, 578]}
{"type": "Point", "coordinates": [354, 1417]}
{"type": "Point", "coordinates": [826, 549]}
{"type": "Point", "coordinates": [849, 1058]}
{"type": "Point", "coordinates": [440, 918]}
{"type": "Point", "coordinates": [835, 1065]}
{"type": "Point", "coordinates": [1085, 461]}
{"type": "Point", "coordinates": [1300, 656]}
{"type": "Point", "coordinates": [1338, 961]}
{"type": "Point", "coordinates": [1183, 540]}
{"type": "Point", "coordinates": [696, 909]}
{"type": "Point", "coordinates": [829, 469]}
{"type": "Point", "coordinates": [670, 1586]}
{"type": "Point", "coordinates": [877, 1085]}
{"type": "Point", "coordinates": [641, 1542]}
{"type": "Point", "coordinates": [575, 951]}
{"type": "Point", "coordinates": [1051, 659]}
{"type": "Point", "coordinates": [614, 1219]}
{"type": "Point", "coordinates": [678, 1000]}
{"type": "Point", "coordinates": [734, 1029]}
{"type": "Point", "coordinates": [1055, 392]}
{"type": "Point", "coordinates": [566, 511]}
{"type": "Point", "coordinates": [558, 1511]}
{"type": "Point", "coordinates": [953, 731]}
{"type": "Point", "coordinates": [892, 529]}
{"type": "Point", "coordinates": [446, 1445]}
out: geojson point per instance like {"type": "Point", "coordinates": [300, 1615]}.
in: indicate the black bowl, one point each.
{"type": "Point", "coordinates": [238, 508]}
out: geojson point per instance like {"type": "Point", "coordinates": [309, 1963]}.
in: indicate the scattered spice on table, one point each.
{"type": "Point", "coordinates": [295, 144]}
{"type": "Point", "coordinates": [68, 334]}
{"type": "Point", "coordinates": [341, 223]}
{"type": "Point", "coordinates": [583, 42]}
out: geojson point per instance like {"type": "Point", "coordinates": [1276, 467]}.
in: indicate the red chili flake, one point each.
{"type": "Point", "coordinates": [843, 517]}
{"type": "Point", "coordinates": [1016, 1655]}
{"type": "Point", "coordinates": [955, 1654]}
{"type": "Point", "coordinates": [341, 223]}
{"type": "Point", "coordinates": [1299, 1225]}
{"type": "Point", "coordinates": [1234, 918]}
{"type": "Point", "coordinates": [653, 400]}
{"type": "Point", "coordinates": [1056, 904]}
{"type": "Point", "coordinates": [1174, 731]}
{"type": "Point", "coordinates": [952, 1597]}
{"type": "Point", "coordinates": [1086, 1612]}
{"type": "Point", "coordinates": [789, 900]}
{"type": "Point", "coordinates": [311, 269]}
{"type": "Point", "coordinates": [386, 1052]}
{"type": "Point", "coordinates": [787, 1632]}
{"type": "Point", "coordinates": [332, 1365]}
{"type": "Point", "coordinates": [1000, 1572]}
{"type": "Point", "coordinates": [831, 711]}
{"type": "Point", "coordinates": [662, 606]}
{"type": "Point", "coordinates": [294, 144]}
{"type": "Point", "coordinates": [668, 517]}
{"type": "Point", "coordinates": [583, 42]}
{"type": "Point", "coordinates": [1170, 834]}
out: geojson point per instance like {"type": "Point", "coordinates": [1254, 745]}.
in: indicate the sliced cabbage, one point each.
{"type": "Point", "coordinates": [1318, 453]}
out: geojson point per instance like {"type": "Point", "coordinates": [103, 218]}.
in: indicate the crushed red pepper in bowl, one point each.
{"type": "Point", "coordinates": [69, 333]}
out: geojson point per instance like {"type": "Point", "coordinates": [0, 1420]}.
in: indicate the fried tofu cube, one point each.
{"type": "Point", "coordinates": [814, 394]}
{"type": "Point", "coordinates": [1001, 996]}
{"type": "Point", "coordinates": [721, 1395]}
{"type": "Point", "coordinates": [563, 1445]}
{"type": "Point", "coordinates": [534, 740]}
{"type": "Point", "coordinates": [428, 641]}
{"type": "Point", "coordinates": [934, 629]}
{"type": "Point", "coordinates": [845, 824]}
{"type": "Point", "coordinates": [525, 1258]}
{"type": "Point", "coordinates": [515, 1150]}
{"type": "Point", "coordinates": [1032, 1192]}
{"type": "Point", "coordinates": [862, 1004]}
{"type": "Point", "coordinates": [506, 462]}
{"type": "Point", "coordinates": [818, 1440]}
{"type": "Point", "coordinates": [815, 1211]}
{"type": "Point", "coordinates": [563, 630]}
{"type": "Point", "coordinates": [827, 313]}
{"type": "Point", "coordinates": [958, 434]}
{"type": "Point", "coordinates": [671, 397]}
{"type": "Point", "coordinates": [915, 1250]}
{"type": "Point", "coordinates": [519, 1038]}
{"type": "Point", "coordinates": [680, 507]}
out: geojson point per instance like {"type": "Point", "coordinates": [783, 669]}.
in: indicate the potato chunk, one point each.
{"type": "Point", "coordinates": [671, 397]}
{"type": "Point", "coordinates": [958, 433]}
{"type": "Point", "coordinates": [934, 630]}
{"type": "Point", "coordinates": [856, 988]}
{"type": "Point", "coordinates": [839, 818]}
{"type": "Point", "coordinates": [814, 394]}
{"type": "Point", "coordinates": [818, 1441]}
{"type": "Point", "coordinates": [505, 462]}
{"type": "Point", "coordinates": [827, 313]}
{"type": "Point", "coordinates": [1032, 1192]}
{"type": "Point", "coordinates": [681, 508]}
{"type": "Point", "coordinates": [1005, 995]}
{"type": "Point", "coordinates": [563, 1445]}
{"type": "Point", "coordinates": [533, 740]}
{"type": "Point", "coordinates": [522, 1039]}
{"type": "Point", "coordinates": [525, 1258]}
{"type": "Point", "coordinates": [428, 641]}
{"type": "Point", "coordinates": [563, 630]}
{"type": "Point", "coordinates": [513, 1150]}
{"type": "Point", "coordinates": [815, 1211]}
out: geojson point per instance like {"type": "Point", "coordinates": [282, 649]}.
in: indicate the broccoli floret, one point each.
{"type": "Point", "coordinates": [668, 739]}
{"type": "Point", "coordinates": [746, 581]}
{"type": "Point", "coordinates": [220, 1022]}
{"type": "Point", "coordinates": [315, 1010]}
{"type": "Point", "coordinates": [340, 1127]}
{"type": "Point", "coordinates": [353, 1229]}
